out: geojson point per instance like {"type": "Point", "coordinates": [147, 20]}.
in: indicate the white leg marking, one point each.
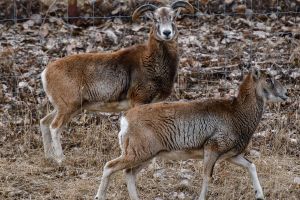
{"type": "Point", "coordinates": [55, 134]}
{"type": "Point", "coordinates": [204, 188]}
{"type": "Point", "coordinates": [258, 190]}
{"type": "Point", "coordinates": [241, 161]}
{"type": "Point", "coordinates": [101, 194]}
{"type": "Point", "coordinates": [47, 140]}
{"type": "Point", "coordinates": [131, 185]}
{"type": "Point", "coordinates": [209, 161]}
{"type": "Point", "coordinates": [46, 134]}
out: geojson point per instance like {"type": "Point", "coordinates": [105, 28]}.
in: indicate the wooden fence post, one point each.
{"type": "Point", "coordinates": [72, 10]}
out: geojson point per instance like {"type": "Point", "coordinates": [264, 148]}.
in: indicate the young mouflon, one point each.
{"type": "Point", "coordinates": [112, 82]}
{"type": "Point", "coordinates": [212, 129]}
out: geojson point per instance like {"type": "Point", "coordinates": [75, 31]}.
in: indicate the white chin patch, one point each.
{"type": "Point", "coordinates": [166, 32]}
{"type": "Point", "coordinates": [166, 38]}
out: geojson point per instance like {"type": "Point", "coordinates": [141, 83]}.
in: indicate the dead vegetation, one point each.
{"type": "Point", "coordinates": [215, 52]}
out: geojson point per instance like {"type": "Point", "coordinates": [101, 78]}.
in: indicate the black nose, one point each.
{"type": "Point", "coordinates": [167, 33]}
{"type": "Point", "coordinates": [284, 98]}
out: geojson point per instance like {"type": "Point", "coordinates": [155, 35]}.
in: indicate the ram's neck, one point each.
{"type": "Point", "coordinates": [248, 108]}
{"type": "Point", "coordinates": [161, 58]}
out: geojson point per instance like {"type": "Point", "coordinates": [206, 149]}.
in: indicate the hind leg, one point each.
{"type": "Point", "coordinates": [210, 158]}
{"type": "Point", "coordinates": [56, 128]}
{"type": "Point", "coordinates": [110, 168]}
{"type": "Point", "coordinates": [131, 180]}
{"type": "Point", "coordinates": [120, 163]}
{"type": "Point", "coordinates": [46, 134]}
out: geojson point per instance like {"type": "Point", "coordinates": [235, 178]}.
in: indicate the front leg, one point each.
{"type": "Point", "coordinates": [131, 174]}
{"type": "Point", "coordinates": [143, 94]}
{"type": "Point", "coordinates": [210, 158]}
{"type": "Point", "coordinates": [243, 162]}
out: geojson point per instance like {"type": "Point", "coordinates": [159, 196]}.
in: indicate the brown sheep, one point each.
{"type": "Point", "coordinates": [214, 129]}
{"type": "Point", "coordinates": [112, 82]}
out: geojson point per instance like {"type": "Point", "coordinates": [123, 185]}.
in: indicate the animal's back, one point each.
{"type": "Point", "coordinates": [184, 109]}
{"type": "Point", "coordinates": [95, 76]}
{"type": "Point", "coordinates": [182, 125]}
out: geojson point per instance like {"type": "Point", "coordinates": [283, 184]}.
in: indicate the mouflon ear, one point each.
{"type": "Point", "coordinates": [150, 15]}
{"type": "Point", "coordinates": [255, 73]}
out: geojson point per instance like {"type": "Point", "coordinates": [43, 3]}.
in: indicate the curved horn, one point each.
{"type": "Point", "coordinates": [140, 10]}
{"type": "Point", "coordinates": [182, 4]}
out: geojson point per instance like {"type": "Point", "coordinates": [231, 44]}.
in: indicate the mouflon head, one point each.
{"type": "Point", "coordinates": [163, 18]}
{"type": "Point", "coordinates": [267, 87]}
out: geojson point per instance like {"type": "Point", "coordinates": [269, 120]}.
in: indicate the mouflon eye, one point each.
{"type": "Point", "coordinates": [269, 80]}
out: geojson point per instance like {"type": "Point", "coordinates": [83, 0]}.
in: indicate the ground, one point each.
{"type": "Point", "coordinates": [215, 52]}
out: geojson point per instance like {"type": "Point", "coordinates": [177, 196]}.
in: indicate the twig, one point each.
{"type": "Point", "coordinates": [219, 67]}
{"type": "Point", "coordinates": [52, 4]}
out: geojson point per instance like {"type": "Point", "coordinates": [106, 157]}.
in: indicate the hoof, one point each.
{"type": "Point", "coordinates": [55, 160]}
{"type": "Point", "coordinates": [99, 197]}
{"type": "Point", "coordinates": [60, 160]}
{"type": "Point", "coordinates": [49, 154]}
